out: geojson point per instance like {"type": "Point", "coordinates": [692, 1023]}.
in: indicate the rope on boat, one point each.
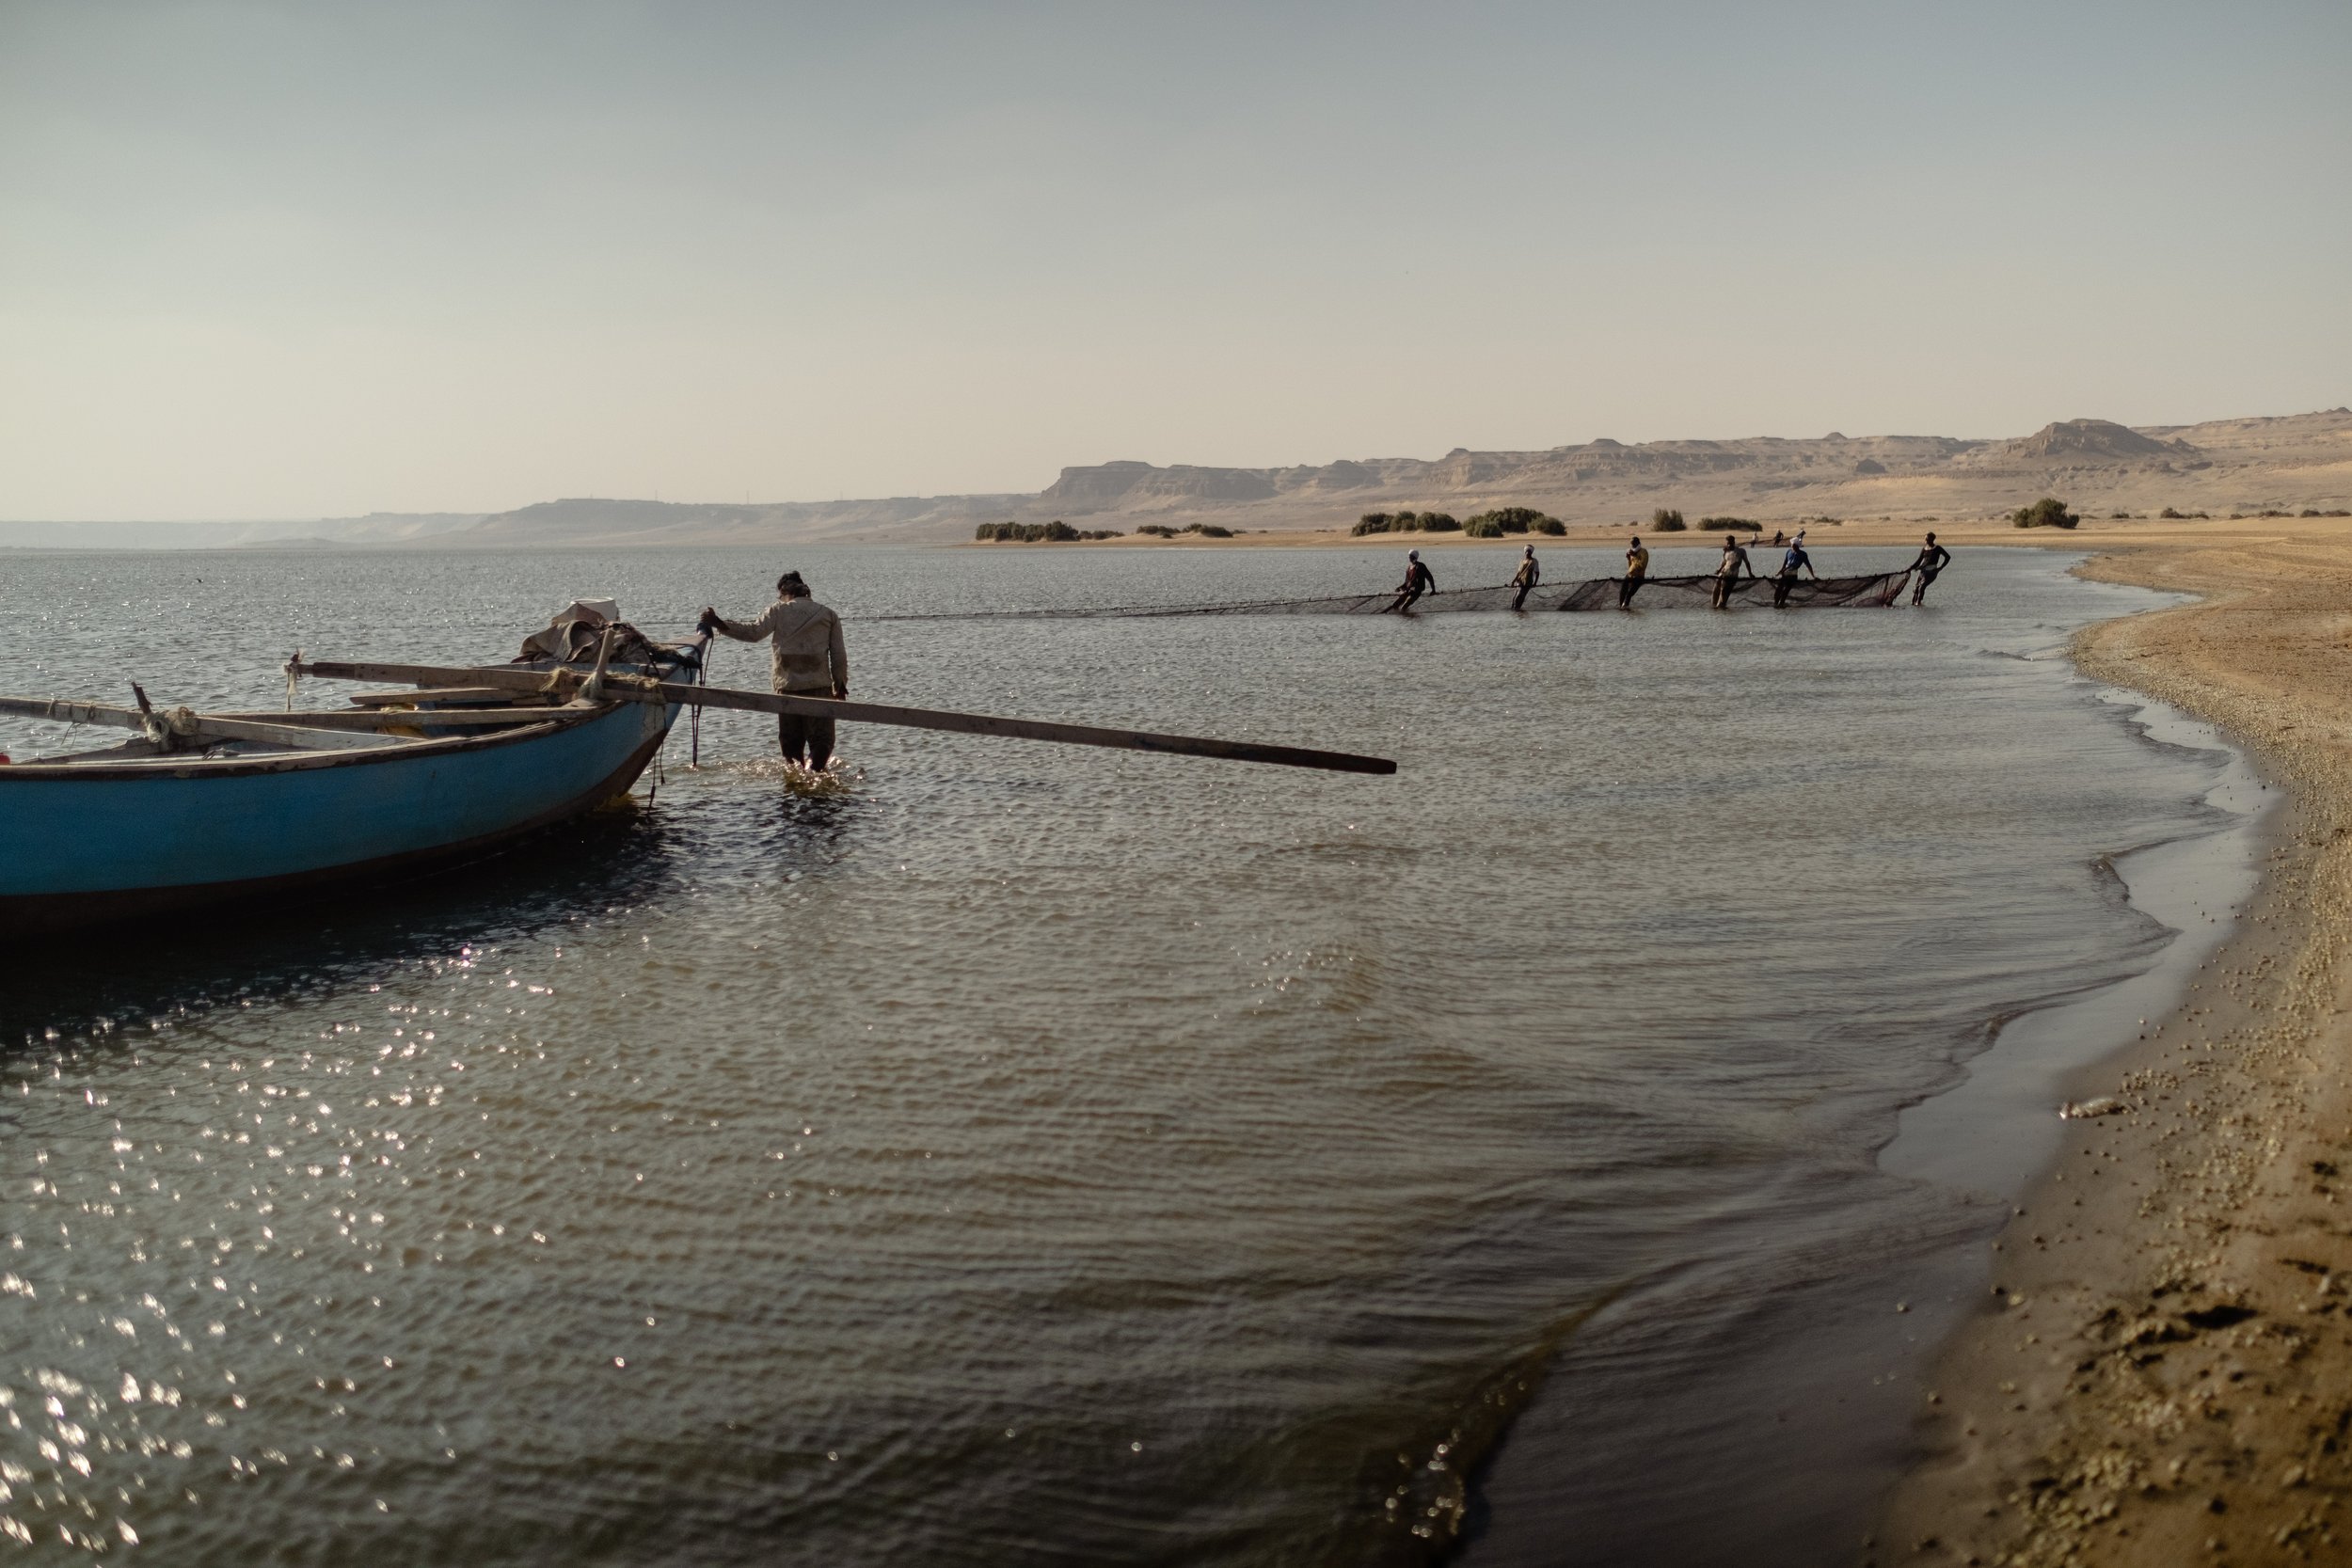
{"type": "Point", "coordinates": [702, 677]}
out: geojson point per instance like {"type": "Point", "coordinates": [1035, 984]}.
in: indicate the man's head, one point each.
{"type": "Point", "coordinates": [1637, 543]}
{"type": "Point", "coordinates": [1412, 555]}
{"type": "Point", "coordinates": [1529, 552]}
{"type": "Point", "coordinates": [1731, 541]}
{"type": "Point", "coordinates": [789, 586]}
{"type": "Point", "coordinates": [1930, 536]}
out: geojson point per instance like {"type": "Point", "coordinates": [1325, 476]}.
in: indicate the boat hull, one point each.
{"type": "Point", "coordinates": [88, 845]}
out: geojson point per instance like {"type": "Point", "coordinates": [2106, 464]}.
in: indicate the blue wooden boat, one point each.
{"type": "Point", "coordinates": [207, 808]}
{"type": "Point", "coordinates": [201, 809]}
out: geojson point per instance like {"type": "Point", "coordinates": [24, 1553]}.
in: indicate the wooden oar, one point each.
{"type": "Point", "coordinates": [458, 694]}
{"type": "Point", "coordinates": [208, 726]}
{"type": "Point", "coordinates": [561, 681]}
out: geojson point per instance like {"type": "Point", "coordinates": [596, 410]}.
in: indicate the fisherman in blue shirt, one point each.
{"type": "Point", "coordinates": [1790, 564]}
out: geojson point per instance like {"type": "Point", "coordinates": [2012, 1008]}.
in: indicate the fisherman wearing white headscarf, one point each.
{"type": "Point", "coordinates": [1636, 569]}
{"type": "Point", "coordinates": [1729, 570]}
{"type": "Point", "coordinates": [1525, 578]}
{"type": "Point", "coordinates": [1790, 564]}
{"type": "Point", "coordinates": [1417, 583]}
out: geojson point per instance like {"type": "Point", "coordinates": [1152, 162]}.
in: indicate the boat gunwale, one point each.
{"type": "Point", "coordinates": [170, 766]}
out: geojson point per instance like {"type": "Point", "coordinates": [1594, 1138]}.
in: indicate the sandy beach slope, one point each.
{"type": "Point", "coordinates": [2162, 1371]}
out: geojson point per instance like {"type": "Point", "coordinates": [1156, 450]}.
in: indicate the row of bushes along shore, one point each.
{"type": "Point", "coordinates": [1487, 525]}
{"type": "Point", "coordinates": [1058, 532]}
{"type": "Point", "coordinates": [2049, 512]}
{"type": "Point", "coordinates": [1667, 520]}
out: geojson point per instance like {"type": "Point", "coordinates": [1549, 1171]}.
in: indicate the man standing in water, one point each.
{"type": "Point", "coordinates": [807, 660]}
{"type": "Point", "coordinates": [1933, 559]}
{"type": "Point", "coordinates": [1790, 564]}
{"type": "Point", "coordinates": [1417, 583]}
{"type": "Point", "coordinates": [1728, 571]}
{"type": "Point", "coordinates": [1636, 568]}
{"type": "Point", "coordinates": [1525, 578]}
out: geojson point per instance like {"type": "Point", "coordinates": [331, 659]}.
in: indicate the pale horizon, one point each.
{"type": "Point", "coordinates": [270, 263]}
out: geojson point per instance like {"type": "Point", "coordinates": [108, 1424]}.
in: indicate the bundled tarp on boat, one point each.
{"type": "Point", "coordinates": [577, 630]}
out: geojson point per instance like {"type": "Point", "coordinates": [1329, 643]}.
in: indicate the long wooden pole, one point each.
{"type": "Point", "coordinates": [562, 682]}
{"type": "Point", "coordinates": [208, 726]}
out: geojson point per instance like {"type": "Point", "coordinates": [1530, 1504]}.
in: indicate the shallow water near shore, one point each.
{"type": "Point", "coordinates": [1023, 1153]}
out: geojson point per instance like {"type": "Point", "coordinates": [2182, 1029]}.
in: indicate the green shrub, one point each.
{"type": "Point", "coordinates": [2049, 512]}
{"type": "Point", "coordinates": [1210, 530]}
{"type": "Point", "coordinates": [1509, 519]}
{"type": "Point", "coordinates": [2119, 515]}
{"type": "Point", "coordinates": [1054, 532]}
{"type": "Point", "coordinates": [1158, 531]}
{"type": "Point", "coordinates": [1439, 522]}
{"type": "Point", "coordinates": [1372, 522]}
{"type": "Point", "coordinates": [1482, 527]}
{"type": "Point", "coordinates": [1730, 524]}
{"type": "Point", "coordinates": [1552, 525]}
{"type": "Point", "coordinates": [1667, 520]}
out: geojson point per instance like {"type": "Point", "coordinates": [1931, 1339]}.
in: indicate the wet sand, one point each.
{"type": "Point", "coordinates": [2161, 1371]}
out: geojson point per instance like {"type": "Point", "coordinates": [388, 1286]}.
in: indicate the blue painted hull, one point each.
{"type": "Point", "coordinates": [87, 843]}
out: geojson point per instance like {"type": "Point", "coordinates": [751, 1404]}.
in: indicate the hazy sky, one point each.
{"type": "Point", "coordinates": [262, 261]}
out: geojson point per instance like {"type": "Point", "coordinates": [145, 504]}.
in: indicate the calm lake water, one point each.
{"type": "Point", "coordinates": [1027, 1154]}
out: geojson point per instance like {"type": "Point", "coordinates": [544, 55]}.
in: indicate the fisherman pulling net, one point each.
{"type": "Point", "coordinates": [1734, 582]}
{"type": "Point", "coordinates": [1679, 592]}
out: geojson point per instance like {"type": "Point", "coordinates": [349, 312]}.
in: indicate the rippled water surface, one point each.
{"type": "Point", "coordinates": [1032, 1154]}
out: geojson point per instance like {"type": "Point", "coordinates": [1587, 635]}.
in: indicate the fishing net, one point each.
{"type": "Point", "coordinates": [1692, 593]}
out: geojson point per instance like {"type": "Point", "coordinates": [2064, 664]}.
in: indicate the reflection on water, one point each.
{"type": "Point", "coordinates": [1011, 1153]}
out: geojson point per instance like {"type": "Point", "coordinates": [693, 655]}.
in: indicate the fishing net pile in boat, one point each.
{"type": "Point", "coordinates": [1692, 593]}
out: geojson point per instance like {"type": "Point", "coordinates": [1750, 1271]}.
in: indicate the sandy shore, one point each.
{"type": "Point", "coordinates": [2162, 1372]}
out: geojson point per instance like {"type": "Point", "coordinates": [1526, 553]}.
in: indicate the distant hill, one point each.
{"type": "Point", "coordinates": [603, 520]}
{"type": "Point", "coordinates": [2235, 465]}
{"type": "Point", "coordinates": [377, 527]}
{"type": "Point", "coordinates": [2077, 439]}
{"type": "Point", "coordinates": [2246, 464]}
